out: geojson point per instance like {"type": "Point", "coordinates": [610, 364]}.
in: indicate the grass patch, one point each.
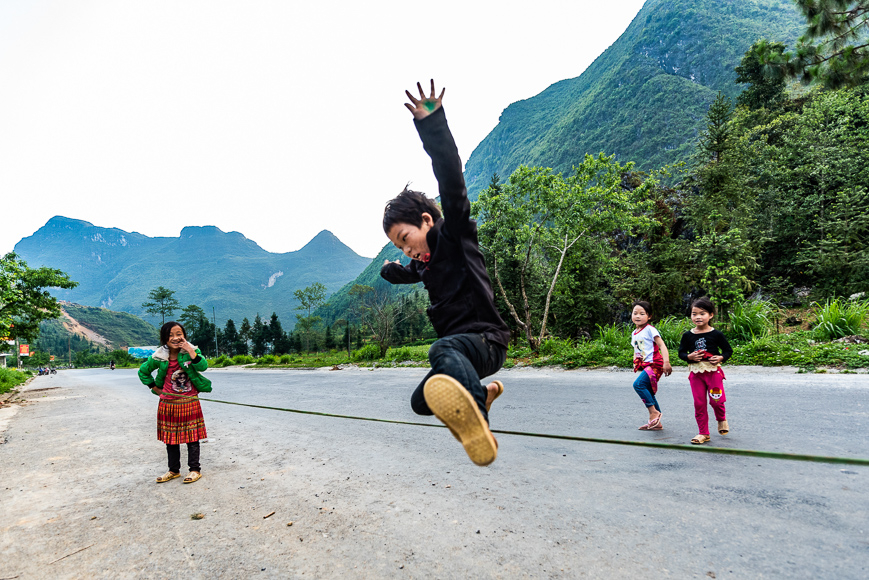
{"type": "Point", "coordinates": [9, 379]}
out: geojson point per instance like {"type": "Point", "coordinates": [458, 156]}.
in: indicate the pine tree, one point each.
{"type": "Point", "coordinates": [766, 85]}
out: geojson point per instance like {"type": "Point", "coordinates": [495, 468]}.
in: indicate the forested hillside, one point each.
{"type": "Point", "coordinates": [644, 99]}
{"type": "Point", "coordinates": [87, 329]}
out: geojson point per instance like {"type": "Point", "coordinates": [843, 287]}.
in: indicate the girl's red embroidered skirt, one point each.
{"type": "Point", "coordinates": [180, 422]}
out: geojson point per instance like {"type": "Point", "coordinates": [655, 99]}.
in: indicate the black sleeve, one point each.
{"type": "Point", "coordinates": [397, 274]}
{"type": "Point", "coordinates": [723, 346]}
{"type": "Point", "coordinates": [685, 346]}
{"type": "Point", "coordinates": [447, 165]}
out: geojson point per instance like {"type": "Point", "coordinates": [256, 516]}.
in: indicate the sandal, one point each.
{"type": "Point", "coordinates": [653, 424]}
{"type": "Point", "coordinates": [723, 427]}
{"type": "Point", "coordinates": [498, 393]}
{"type": "Point", "coordinates": [192, 476]}
{"type": "Point", "coordinates": [167, 476]}
{"type": "Point", "coordinates": [700, 439]}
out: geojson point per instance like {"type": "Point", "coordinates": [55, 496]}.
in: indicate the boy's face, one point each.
{"type": "Point", "coordinates": [411, 239]}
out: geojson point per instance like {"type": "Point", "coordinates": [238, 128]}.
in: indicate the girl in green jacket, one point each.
{"type": "Point", "coordinates": [179, 415]}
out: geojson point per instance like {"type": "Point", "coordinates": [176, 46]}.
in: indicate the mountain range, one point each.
{"type": "Point", "coordinates": [645, 98]}
{"type": "Point", "coordinates": [204, 266]}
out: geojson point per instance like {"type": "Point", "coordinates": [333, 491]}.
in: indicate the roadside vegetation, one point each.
{"type": "Point", "coordinates": [829, 335]}
{"type": "Point", "coordinates": [9, 379]}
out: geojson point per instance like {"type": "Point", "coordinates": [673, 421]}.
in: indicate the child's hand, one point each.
{"type": "Point", "coordinates": [667, 368]}
{"type": "Point", "coordinates": [186, 346]}
{"type": "Point", "coordinates": [424, 106]}
{"type": "Point", "coordinates": [696, 356]}
{"type": "Point", "coordinates": [156, 391]}
{"type": "Point", "coordinates": [716, 359]}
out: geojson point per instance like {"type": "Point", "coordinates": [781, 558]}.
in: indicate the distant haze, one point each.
{"type": "Point", "coordinates": [277, 119]}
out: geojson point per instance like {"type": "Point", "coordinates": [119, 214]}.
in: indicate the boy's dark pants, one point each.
{"type": "Point", "coordinates": [466, 358]}
{"type": "Point", "coordinates": [174, 452]}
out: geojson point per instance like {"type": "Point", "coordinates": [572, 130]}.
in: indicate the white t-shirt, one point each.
{"type": "Point", "coordinates": [643, 341]}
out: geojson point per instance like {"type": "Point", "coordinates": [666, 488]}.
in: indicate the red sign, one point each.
{"type": "Point", "coordinates": [24, 349]}
{"type": "Point", "coordinates": [51, 357]}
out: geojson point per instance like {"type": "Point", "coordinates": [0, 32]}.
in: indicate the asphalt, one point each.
{"type": "Point", "coordinates": [370, 500]}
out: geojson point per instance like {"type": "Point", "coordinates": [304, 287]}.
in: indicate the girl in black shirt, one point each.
{"type": "Point", "coordinates": [704, 349]}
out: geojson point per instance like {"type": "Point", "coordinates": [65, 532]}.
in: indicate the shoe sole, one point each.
{"type": "Point", "coordinates": [456, 408]}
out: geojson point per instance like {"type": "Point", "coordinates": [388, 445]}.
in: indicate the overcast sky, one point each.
{"type": "Point", "coordinates": [276, 119]}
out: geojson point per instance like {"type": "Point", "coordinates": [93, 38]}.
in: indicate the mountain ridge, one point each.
{"type": "Point", "coordinates": [116, 269]}
{"type": "Point", "coordinates": [644, 98]}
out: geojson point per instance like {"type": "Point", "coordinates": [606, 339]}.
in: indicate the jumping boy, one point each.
{"type": "Point", "coordinates": [446, 258]}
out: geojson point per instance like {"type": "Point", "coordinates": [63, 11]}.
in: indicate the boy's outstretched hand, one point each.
{"type": "Point", "coordinates": [424, 106]}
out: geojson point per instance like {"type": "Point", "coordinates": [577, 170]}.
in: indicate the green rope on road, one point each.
{"type": "Point", "coordinates": [679, 447]}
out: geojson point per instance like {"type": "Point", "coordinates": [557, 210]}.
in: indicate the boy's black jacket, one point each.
{"type": "Point", "coordinates": [455, 277]}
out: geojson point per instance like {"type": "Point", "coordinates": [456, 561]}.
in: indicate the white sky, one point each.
{"type": "Point", "coordinates": [276, 119]}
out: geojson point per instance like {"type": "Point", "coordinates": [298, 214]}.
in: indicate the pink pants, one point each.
{"type": "Point", "coordinates": [711, 384]}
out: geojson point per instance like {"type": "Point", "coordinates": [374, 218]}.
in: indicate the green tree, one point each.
{"type": "Point", "coordinates": [766, 85]}
{"type": "Point", "coordinates": [200, 330]}
{"type": "Point", "coordinates": [232, 343]}
{"type": "Point", "coordinates": [309, 298]}
{"type": "Point", "coordinates": [162, 303]}
{"type": "Point", "coordinates": [24, 297]}
{"type": "Point", "coordinates": [378, 310]}
{"type": "Point", "coordinates": [244, 333]}
{"type": "Point", "coordinates": [834, 50]}
{"type": "Point", "coordinates": [259, 337]}
{"type": "Point", "coordinates": [539, 220]}
{"type": "Point", "coordinates": [281, 343]}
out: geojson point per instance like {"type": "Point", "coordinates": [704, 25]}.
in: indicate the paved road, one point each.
{"type": "Point", "coordinates": [372, 500]}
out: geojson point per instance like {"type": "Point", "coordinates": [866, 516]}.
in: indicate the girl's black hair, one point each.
{"type": "Point", "coordinates": [167, 328]}
{"type": "Point", "coordinates": [704, 303]}
{"type": "Point", "coordinates": [407, 208]}
{"type": "Point", "coordinates": [644, 305]}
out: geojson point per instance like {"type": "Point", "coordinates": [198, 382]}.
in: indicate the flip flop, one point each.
{"type": "Point", "coordinates": [498, 393]}
{"type": "Point", "coordinates": [653, 424]}
{"type": "Point", "coordinates": [456, 408]}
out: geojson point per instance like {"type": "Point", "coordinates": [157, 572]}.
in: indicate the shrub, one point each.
{"type": "Point", "coordinates": [750, 319]}
{"type": "Point", "coordinates": [614, 334]}
{"type": "Point", "coordinates": [407, 353]}
{"type": "Point", "coordinates": [286, 359]}
{"type": "Point", "coordinates": [837, 318]}
{"type": "Point", "coordinates": [555, 347]}
{"type": "Point", "coordinates": [9, 379]}
{"type": "Point", "coordinates": [672, 329]}
{"type": "Point", "coordinates": [221, 361]}
{"type": "Point", "coordinates": [366, 353]}
{"type": "Point", "coordinates": [268, 359]}
{"type": "Point", "coordinates": [242, 359]}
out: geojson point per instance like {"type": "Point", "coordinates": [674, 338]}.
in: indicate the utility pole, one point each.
{"type": "Point", "coordinates": [214, 321]}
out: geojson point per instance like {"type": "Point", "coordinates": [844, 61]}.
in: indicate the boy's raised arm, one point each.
{"type": "Point", "coordinates": [431, 124]}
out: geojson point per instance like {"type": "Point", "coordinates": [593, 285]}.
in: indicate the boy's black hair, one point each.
{"type": "Point", "coordinates": [167, 328]}
{"type": "Point", "coordinates": [704, 303]}
{"type": "Point", "coordinates": [644, 305]}
{"type": "Point", "coordinates": [407, 208]}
